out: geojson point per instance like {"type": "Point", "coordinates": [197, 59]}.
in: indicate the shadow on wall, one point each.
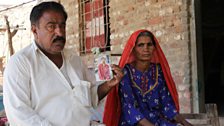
{"type": "Point", "coordinates": [2, 64]}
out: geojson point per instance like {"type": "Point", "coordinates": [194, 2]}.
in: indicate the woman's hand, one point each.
{"type": "Point", "coordinates": [186, 123]}
{"type": "Point", "coordinates": [180, 119]}
{"type": "Point", "coordinates": [144, 122]}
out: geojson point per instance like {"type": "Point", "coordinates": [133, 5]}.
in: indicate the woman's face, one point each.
{"type": "Point", "coordinates": [143, 48]}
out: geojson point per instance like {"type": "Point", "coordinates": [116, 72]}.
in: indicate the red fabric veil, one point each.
{"type": "Point", "coordinates": [112, 107]}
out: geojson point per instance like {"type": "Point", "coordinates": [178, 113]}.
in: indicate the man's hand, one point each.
{"type": "Point", "coordinates": [118, 75]}
{"type": "Point", "coordinates": [104, 88]}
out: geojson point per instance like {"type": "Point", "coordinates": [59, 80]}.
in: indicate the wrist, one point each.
{"type": "Point", "coordinates": [108, 85]}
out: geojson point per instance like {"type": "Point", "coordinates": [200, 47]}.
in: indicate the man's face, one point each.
{"type": "Point", "coordinates": [50, 32]}
{"type": "Point", "coordinates": [103, 60]}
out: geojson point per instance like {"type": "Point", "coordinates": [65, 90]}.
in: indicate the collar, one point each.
{"type": "Point", "coordinates": [68, 53]}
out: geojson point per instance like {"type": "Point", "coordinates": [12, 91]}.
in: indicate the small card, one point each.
{"type": "Point", "coordinates": [103, 71]}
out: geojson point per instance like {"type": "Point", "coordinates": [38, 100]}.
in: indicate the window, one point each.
{"type": "Point", "coordinates": [94, 25]}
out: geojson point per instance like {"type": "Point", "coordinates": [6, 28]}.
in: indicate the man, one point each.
{"type": "Point", "coordinates": [46, 86]}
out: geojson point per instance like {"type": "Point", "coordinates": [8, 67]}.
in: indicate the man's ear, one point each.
{"type": "Point", "coordinates": [34, 30]}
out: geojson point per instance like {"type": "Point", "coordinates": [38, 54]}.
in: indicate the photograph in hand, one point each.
{"type": "Point", "coordinates": [103, 70]}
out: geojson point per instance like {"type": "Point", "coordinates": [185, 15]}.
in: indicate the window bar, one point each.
{"type": "Point", "coordinates": [92, 26]}
{"type": "Point", "coordinates": [103, 47]}
{"type": "Point", "coordinates": [106, 22]}
{"type": "Point", "coordinates": [95, 22]}
{"type": "Point", "coordinates": [80, 25]}
{"type": "Point", "coordinates": [84, 28]}
{"type": "Point", "coordinates": [107, 46]}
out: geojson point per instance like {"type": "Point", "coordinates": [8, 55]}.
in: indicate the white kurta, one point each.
{"type": "Point", "coordinates": [36, 93]}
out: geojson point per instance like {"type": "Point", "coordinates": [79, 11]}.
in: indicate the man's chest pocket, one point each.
{"type": "Point", "coordinates": [83, 93]}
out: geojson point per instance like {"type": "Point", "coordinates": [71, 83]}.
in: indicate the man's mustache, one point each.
{"type": "Point", "coordinates": [59, 39]}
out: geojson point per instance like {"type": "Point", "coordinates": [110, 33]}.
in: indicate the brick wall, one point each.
{"type": "Point", "coordinates": [167, 19]}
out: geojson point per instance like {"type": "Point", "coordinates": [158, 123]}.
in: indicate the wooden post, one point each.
{"type": "Point", "coordinates": [1, 64]}
{"type": "Point", "coordinates": [211, 110]}
{"type": "Point", "coordinates": [10, 35]}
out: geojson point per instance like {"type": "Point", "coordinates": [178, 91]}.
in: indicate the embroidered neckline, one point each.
{"type": "Point", "coordinates": [151, 87]}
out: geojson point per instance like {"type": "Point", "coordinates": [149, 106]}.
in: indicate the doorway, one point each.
{"type": "Point", "coordinates": [212, 31]}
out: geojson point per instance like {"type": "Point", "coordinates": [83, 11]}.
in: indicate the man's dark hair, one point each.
{"type": "Point", "coordinates": [39, 9]}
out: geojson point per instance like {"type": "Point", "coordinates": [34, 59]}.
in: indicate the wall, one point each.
{"type": "Point", "coordinates": [18, 15]}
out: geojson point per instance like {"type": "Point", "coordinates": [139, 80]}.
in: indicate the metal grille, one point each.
{"type": "Point", "coordinates": [94, 25]}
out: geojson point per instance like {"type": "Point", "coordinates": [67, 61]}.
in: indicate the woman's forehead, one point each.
{"type": "Point", "coordinates": [144, 39]}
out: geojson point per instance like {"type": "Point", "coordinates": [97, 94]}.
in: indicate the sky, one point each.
{"type": "Point", "coordinates": [9, 3]}
{"type": "Point", "coordinates": [12, 2]}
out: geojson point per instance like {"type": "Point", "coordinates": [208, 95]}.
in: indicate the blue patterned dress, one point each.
{"type": "Point", "coordinates": [145, 95]}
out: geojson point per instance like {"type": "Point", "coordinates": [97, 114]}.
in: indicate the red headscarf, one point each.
{"type": "Point", "coordinates": [112, 107]}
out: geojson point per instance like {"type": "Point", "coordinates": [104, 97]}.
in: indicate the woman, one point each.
{"type": "Point", "coordinates": [147, 93]}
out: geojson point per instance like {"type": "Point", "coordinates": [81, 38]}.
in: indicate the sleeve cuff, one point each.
{"type": "Point", "coordinates": [94, 96]}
